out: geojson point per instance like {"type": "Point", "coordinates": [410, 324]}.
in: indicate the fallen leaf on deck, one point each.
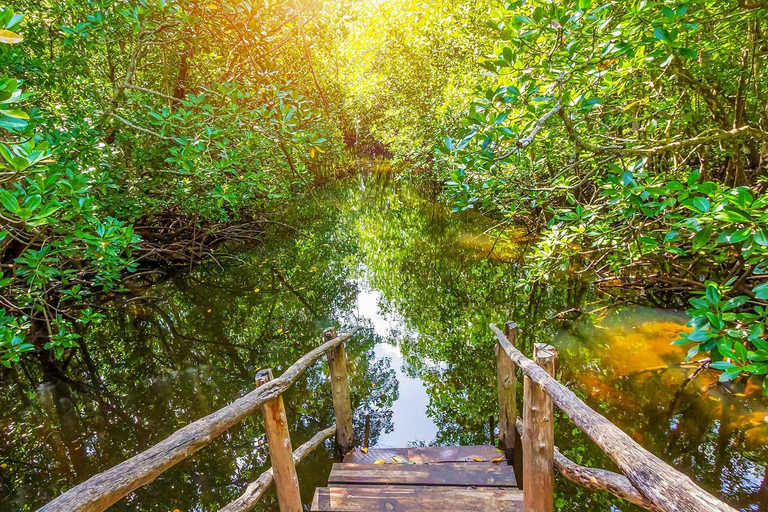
{"type": "Point", "coordinates": [497, 460]}
{"type": "Point", "coordinates": [477, 459]}
{"type": "Point", "coordinates": [364, 450]}
{"type": "Point", "coordinates": [380, 462]}
{"type": "Point", "coordinates": [397, 459]}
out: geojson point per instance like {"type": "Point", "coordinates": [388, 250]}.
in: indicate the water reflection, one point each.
{"type": "Point", "coordinates": [425, 284]}
{"type": "Point", "coordinates": [409, 410]}
{"type": "Point", "coordinates": [626, 367]}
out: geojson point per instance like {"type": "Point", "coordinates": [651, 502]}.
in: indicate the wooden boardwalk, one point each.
{"type": "Point", "coordinates": [453, 478]}
{"type": "Point", "coordinates": [415, 479]}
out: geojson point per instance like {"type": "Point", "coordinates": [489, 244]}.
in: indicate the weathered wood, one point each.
{"type": "Point", "coordinates": [256, 489]}
{"type": "Point", "coordinates": [102, 490]}
{"type": "Point", "coordinates": [342, 405]}
{"type": "Point", "coordinates": [280, 451]}
{"type": "Point", "coordinates": [663, 486]}
{"type": "Point", "coordinates": [402, 498]}
{"type": "Point", "coordinates": [539, 435]}
{"type": "Point", "coordinates": [426, 455]}
{"type": "Point", "coordinates": [481, 475]}
{"type": "Point", "coordinates": [600, 480]}
{"type": "Point", "coordinates": [597, 479]}
{"type": "Point", "coordinates": [367, 435]}
{"type": "Point", "coordinates": [492, 429]}
{"type": "Point", "coordinates": [507, 386]}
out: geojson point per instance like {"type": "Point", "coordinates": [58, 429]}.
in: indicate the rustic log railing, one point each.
{"type": "Point", "coordinates": [646, 480]}
{"type": "Point", "coordinates": [105, 489]}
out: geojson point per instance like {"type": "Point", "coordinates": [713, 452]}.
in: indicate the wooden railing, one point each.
{"type": "Point", "coordinates": [103, 490]}
{"type": "Point", "coordinates": [646, 480]}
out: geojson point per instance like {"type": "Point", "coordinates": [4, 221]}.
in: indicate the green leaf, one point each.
{"type": "Point", "coordinates": [722, 365]}
{"type": "Point", "coordinates": [17, 114]}
{"type": "Point", "coordinates": [701, 204]}
{"type": "Point", "coordinates": [585, 4]}
{"type": "Point", "coordinates": [661, 34]}
{"type": "Point", "coordinates": [9, 201]}
{"type": "Point", "coordinates": [735, 302]}
{"type": "Point", "coordinates": [761, 236]}
{"type": "Point", "coordinates": [701, 238]}
{"type": "Point", "coordinates": [741, 351]}
{"type": "Point", "coordinates": [538, 14]}
{"type": "Point", "coordinates": [713, 295]}
{"type": "Point", "coordinates": [687, 53]}
{"type": "Point", "coordinates": [729, 375]}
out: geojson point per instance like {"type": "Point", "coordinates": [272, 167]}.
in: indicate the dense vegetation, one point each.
{"type": "Point", "coordinates": [152, 131]}
{"type": "Point", "coordinates": [629, 138]}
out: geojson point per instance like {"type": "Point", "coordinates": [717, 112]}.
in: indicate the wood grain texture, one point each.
{"type": "Point", "coordinates": [404, 498]}
{"type": "Point", "coordinates": [280, 450]}
{"type": "Point", "coordinates": [342, 404]}
{"type": "Point", "coordinates": [664, 487]}
{"type": "Point", "coordinates": [430, 454]}
{"type": "Point", "coordinates": [102, 490]}
{"type": "Point", "coordinates": [597, 479]}
{"type": "Point", "coordinates": [256, 489]}
{"type": "Point", "coordinates": [480, 475]}
{"type": "Point", "coordinates": [507, 390]}
{"type": "Point", "coordinates": [539, 437]}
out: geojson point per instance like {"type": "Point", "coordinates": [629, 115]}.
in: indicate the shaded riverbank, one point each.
{"type": "Point", "coordinates": [425, 283]}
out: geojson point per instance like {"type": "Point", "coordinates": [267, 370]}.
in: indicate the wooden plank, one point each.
{"type": "Point", "coordinates": [430, 454]}
{"type": "Point", "coordinates": [539, 436]}
{"type": "Point", "coordinates": [664, 487]}
{"type": "Point", "coordinates": [415, 499]}
{"type": "Point", "coordinates": [342, 405]}
{"type": "Point", "coordinates": [481, 475]}
{"type": "Point", "coordinates": [280, 451]}
{"type": "Point", "coordinates": [507, 389]}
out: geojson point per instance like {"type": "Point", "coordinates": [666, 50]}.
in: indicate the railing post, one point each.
{"type": "Point", "coordinates": [539, 437]}
{"type": "Point", "coordinates": [505, 373]}
{"type": "Point", "coordinates": [342, 405]}
{"type": "Point", "coordinates": [280, 450]}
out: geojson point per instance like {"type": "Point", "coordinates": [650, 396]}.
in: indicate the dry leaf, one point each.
{"type": "Point", "coordinates": [380, 462]}
{"type": "Point", "coordinates": [497, 460]}
{"type": "Point", "coordinates": [477, 459]}
{"type": "Point", "coordinates": [364, 450]}
{"type": "Point", "coordinates": [395, 458]}
{"type": "Point", "coordinates": [6, 36]}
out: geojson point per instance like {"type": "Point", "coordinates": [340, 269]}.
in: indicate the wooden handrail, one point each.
{"type": "Point", "coordinates": [258, 487]}
{"type": "Point", "coordinates": [103, 490]}
{"type": "Point", "coordinates": [665, 488]}
{"type": "Point", "coordinates": [597, 479]}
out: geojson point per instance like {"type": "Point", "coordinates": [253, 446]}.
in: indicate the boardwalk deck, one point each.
{"type": "Point", "coordinates": [428, 479]}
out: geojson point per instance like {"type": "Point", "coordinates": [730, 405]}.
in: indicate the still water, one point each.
{"type": "Point", "coordinates": [425, 284]}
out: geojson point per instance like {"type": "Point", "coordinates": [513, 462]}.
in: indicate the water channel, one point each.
{"type": "Point", "coordinates": [425, 283]}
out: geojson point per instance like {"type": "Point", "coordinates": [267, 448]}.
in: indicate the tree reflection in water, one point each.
{"type": "Point", "coordinates": [426, 283]}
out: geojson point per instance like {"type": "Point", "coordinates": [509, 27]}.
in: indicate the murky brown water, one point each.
{"type": "Point", "coordinates": [425, 283]}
